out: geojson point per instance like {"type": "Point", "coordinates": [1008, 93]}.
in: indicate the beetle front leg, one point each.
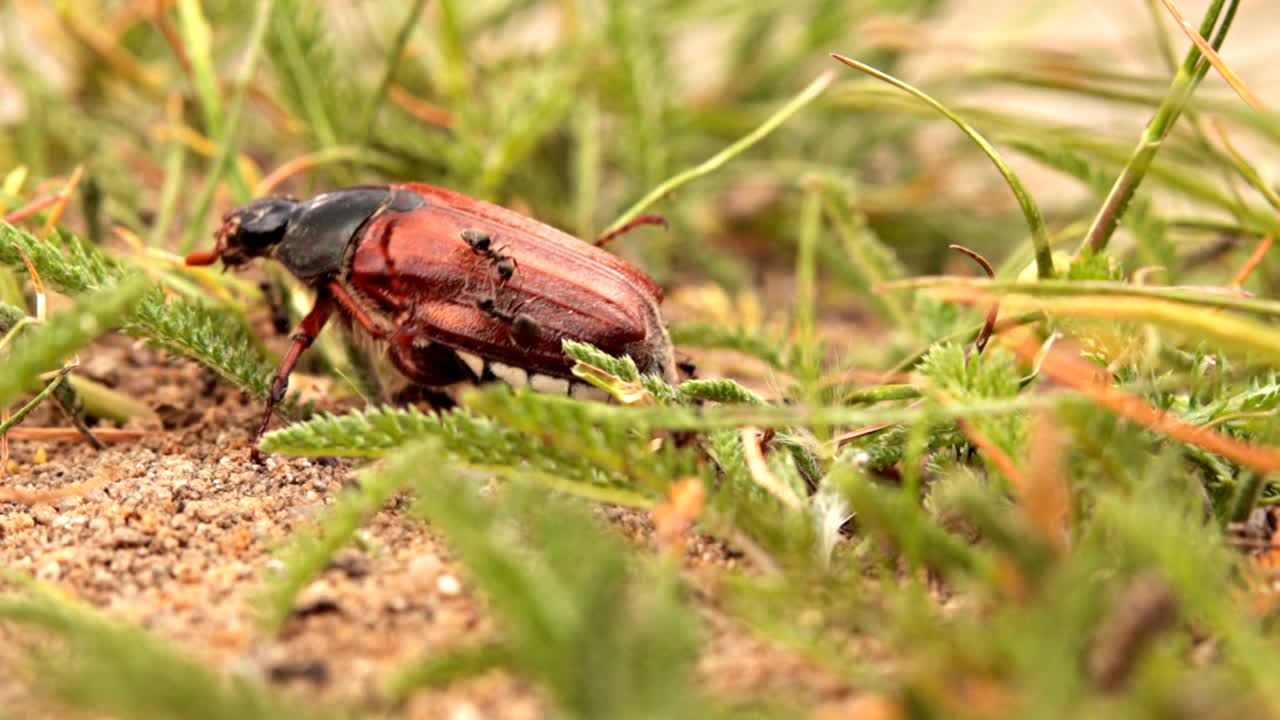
{"type": "Point", "coordinates": [306, 334]}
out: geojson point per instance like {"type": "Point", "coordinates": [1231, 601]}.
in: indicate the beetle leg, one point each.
{"type": "Point", "coordinates": [642, 220]}
{"type": "Point", "coordinates": [308, 329]}
{"type": "Point", "coordinates": [376, 329]}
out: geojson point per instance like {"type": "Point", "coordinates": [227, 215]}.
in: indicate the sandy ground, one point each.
{"type": "Point", "coordinates": [175, 531]}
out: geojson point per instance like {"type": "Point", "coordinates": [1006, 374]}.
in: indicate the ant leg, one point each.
{"type": "Point", "coordinates": [308, 329]}
{"type": "Point", "coordinates": [632, 225]}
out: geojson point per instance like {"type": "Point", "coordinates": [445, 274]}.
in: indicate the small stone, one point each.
{"type": "Point", "coordinates": [353, 563]}
{"type": "Point", "coordinates": [70, 502]}
{"type": "Point", "coordinates": [204, 511]}
{"type": "Point", "coordinates": [425, 568]}
{"type": "Point", "coordinates": [126, 537]}
{"type": "Point", "coordinates": [448, 585]}
{"type": "Point", "coordinates": [464, 710]}
{"type": "Point", "coordinates": [44, 514]}
{"type": "Point", "coordinates": [21, 521]}
{"type": "Point", "coordinates": [318, 598]}
{"type": "Point", "coordinates": [49, 572]}
{"type": "Point", "coordinates": [41, 456]}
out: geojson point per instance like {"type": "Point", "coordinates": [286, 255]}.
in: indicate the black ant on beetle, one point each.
{"type": "Point", "coordinates": [481, 243]}
{"type": "Point", "coordinates": [524, 329]}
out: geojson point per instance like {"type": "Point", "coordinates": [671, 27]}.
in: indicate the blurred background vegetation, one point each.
{"type": "Point", "coordinates": [1048, 553]}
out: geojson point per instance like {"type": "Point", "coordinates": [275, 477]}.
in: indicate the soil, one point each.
{"type": "Point", "coordinates": [175, 530]}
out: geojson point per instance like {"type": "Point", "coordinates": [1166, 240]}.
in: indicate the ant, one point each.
{"type": "Point", "coordinates": [481, 243]}
{"type": "Point", "coordinates": [524, 329]}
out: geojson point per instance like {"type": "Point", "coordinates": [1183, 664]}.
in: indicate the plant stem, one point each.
{"type": "Point", "coordinates": [1030, 210]}
{"type": "Point", "coordinates": [1175, 100]}
{"type": "Point", "coordinates": [231, 126]}
{"type": "Point", "coordinates": [33, 403]}
{"type": "Point", "coordinates": [394, 54]}
{"type": "Point", "coordinates": [809, 94]}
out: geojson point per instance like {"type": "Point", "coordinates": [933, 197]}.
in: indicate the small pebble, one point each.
{"type": "Point", "coordinates": [203, 510]}
{"type": "Point", "coordinates": [70, 502]}
{"type": "Point", "coordinates": [425, 568]}
{"type": "Point", "coordinates": [128, 537]}
{"type": "Point", "coordinates": [21, 521]}
{"type": "Point", "coordinates": [465, 711]}
{"type": "Point", "coordinates": [40, 457]}
{"type": "Point", "coordinates": [448, 585]}
{"type": "Point", "coordinates": [44, 514]}
{"type": "Point", "coordinates": [353, 563]}
{"type": "Point", "coordinates": [49, 572]}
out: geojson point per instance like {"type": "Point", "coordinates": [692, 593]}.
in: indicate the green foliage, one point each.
{"type": "Point", "coordinates": [101, 665]}
{"type": "Point", "coordinates": [721, 391]}
{"type": "Point", "coordinates": [893, 515]}
{"type": "Point", "coordinates": [707, 335]}
{"type": "Point", "coordinates": [46, 347]}
{"type": "Point", "coordinates": [579, 464]}
{"type": "Point", "coordinates": [310, 549]}
{"type": "Point", "coordinates": [215, 338]}
{"type": "Point", "coordinates": [605, 638]}
{"type": "Point", "coordinates": [868, 531]}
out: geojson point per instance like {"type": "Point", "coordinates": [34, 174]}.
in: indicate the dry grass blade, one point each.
{"type": "Point", "coordinates": [1255, 258]}
{"type": "Point", "coordinates": [1230, 331]}
{"type": "Point", "coordinates": [1083, 377]}
{"type": "Point", "coordinates": [1046, 501]}
{"type": "Point", "coordinates": [760, 472]}
{"type": "Point", "coordinates": [55, 434]}
{"type": "Point", "coordinates": [674, 517]}
{"type": "Point", "coordinates": [30, 209]}
{"type": "Point", "coordinates": [988, 325]}
{"type": "Point", "coordinates": [60, 204]}
{"type": "Point", "coordinates": [427, 113]}
{"type": "Point", "coordinates": [1212, 56]}
{"type": "Point", "coordinates": [993, 452]}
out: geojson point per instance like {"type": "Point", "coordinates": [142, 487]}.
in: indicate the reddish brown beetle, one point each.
{"type": "Point", "coordinates": [451, 289]}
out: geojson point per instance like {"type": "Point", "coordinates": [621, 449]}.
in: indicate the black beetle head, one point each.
{"type": "Point", "coordinates": [249, 232]}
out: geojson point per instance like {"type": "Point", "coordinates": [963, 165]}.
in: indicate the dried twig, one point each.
{"type": "Point", "coordinates": [760, 472]}
{"type": "Point", "coordinates": [989, 325]}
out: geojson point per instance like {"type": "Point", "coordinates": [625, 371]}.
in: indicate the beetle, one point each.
{"type": "Point", "coordinates": [450, 289]}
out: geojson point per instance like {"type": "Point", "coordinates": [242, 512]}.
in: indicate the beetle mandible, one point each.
{"type": "Point", "coordinates": [452, 289]}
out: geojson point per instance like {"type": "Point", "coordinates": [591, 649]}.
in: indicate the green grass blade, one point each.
{"type": "Point", "coordinates": [1030, 209]}
{"type": "Point", "coordinates": [47, 346]}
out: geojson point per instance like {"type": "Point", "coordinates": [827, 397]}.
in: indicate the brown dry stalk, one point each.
{"type": "Point", "coordinates": [760, 472]}
{"type": "Point", "coordinates": [1143, 610]}
{"type": "Point", "coordinates": [36, 497]}
{"type": "Point", "coordinates": [60, 205]}
{"type": "Point", "coordinates": [1211, 55]}
{"type": "Point", "coordinates": [55, 434]}
{"type": "Point", "coordinates": [30, 209]}
{"type": "Point", "coordinates": [1046, 502]}
{"type": "Point", "coordinates": [1254, 260]}
{"type": "Point", "coordinates": [988, 447]}
{"type": "Point", "coordinates": [428, 113]}
{"type": "Point", "coordinates": [1082, 376]}
{"type": "Point", "coordinates": [988, 325]}
{"type": "Point", "coordinates": [268, 184]}
{"type": "Point", "coordinates": [675, 515]}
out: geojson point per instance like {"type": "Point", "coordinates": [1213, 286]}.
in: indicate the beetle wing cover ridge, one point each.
{"type": "Point", "coordinates": [415, 267]}
{"type": "Point", "coordinates": [540, 232]}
